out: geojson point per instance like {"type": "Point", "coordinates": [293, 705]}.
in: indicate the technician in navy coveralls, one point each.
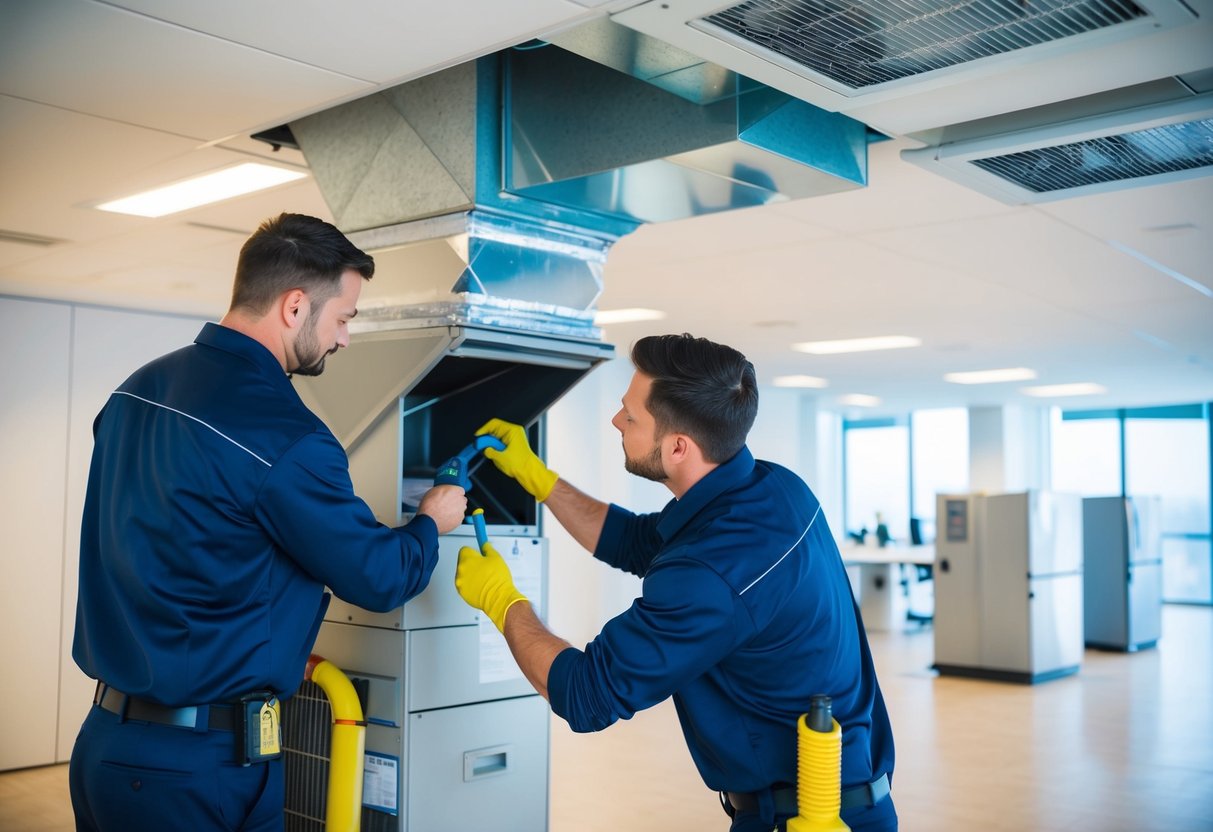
{"type": "Point", "coordinates": [218, 508]}
{"type": "Point", "coordinates": [745, 612]}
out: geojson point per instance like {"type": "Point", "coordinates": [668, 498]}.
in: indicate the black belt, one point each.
{"type": "Point", "coordinates": [193, 717]}
{"type": "Point", "coordinates": [784, 797]}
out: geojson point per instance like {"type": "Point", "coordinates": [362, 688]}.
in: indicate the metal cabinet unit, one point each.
{"type": "Point", "coordinates": [1008, 596]}
{"type": "Point", "coordinates": [1122, 575]}
{"type": "Point", "coordinates": [455, 732]}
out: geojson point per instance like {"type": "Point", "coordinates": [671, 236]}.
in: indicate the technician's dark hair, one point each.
{"type": "Point", "coordinates": [703, 389]}
{"type": "Point", "coordinates": [295, 251]}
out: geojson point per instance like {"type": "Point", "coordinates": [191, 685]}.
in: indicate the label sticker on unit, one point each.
{"type": "Point", "coordinates": [496, 661]}
{"type": "Point", "coordinates": [380, 781]}
{"type": "Point", "coordinates": [525, 559]}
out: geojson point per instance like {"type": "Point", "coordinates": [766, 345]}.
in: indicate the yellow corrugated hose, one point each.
{"type": "Point", "coordinates": [818, 777]}
{"type": "Point", "coordinates": [343, 812]}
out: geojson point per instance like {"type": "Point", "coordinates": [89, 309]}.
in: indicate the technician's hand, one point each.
{"type": "Point", "coordinates": [445, 505]}
{"type": "Point", "coordinates": [485, 582]}
{"type": "Point", "coordinates": [518, 460]}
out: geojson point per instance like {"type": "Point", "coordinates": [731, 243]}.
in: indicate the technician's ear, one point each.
{"type": "Point", "coordinates": [294, 307]}
{"type": "Point", "coordinates": [680, 447]}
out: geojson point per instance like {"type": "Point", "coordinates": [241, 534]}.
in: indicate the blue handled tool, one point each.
{"type": "Point", "coordinates": [455, 470]}
{"type": "Point", "coordinates": [482, 533]}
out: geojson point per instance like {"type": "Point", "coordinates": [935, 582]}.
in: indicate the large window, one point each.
{"type": "Point", "coordinates": [1086, 453]}
{"type": "Point", "coordinates": [939, 461]}
{"type": "Point", "coordinates": [877, 470]}
{"type": "Point", "coordinates": [895, 467]}
{"type": "Point", "coordinates": [1167, 454]}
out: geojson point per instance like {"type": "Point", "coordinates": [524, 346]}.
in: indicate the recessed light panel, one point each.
{"type": "Point", "coordinates": [859, 400]}
{"type": "Point", "coordinates": [222, 184]}
{"type": "Point", "coordinates": [991, 376]}
{"type": "Point", "coordinates": [883, 342]}
{"type": "Point", "coordinates": [1085, 388]}
{"type": "Point", "coordinates": [605, 317]}
{"type": "Point", "coordinates": [799, 381]}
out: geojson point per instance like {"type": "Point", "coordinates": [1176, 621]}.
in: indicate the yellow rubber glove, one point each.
{"type": "Point", "coordinates": [518, 460]}
{"type": "Point", "coordinates": [485, 582]}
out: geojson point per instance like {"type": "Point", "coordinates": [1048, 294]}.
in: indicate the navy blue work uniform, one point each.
{"type": "Point", "coordinates": [218, 508]}
{"type": "Point", "coordinates": [746, 612]}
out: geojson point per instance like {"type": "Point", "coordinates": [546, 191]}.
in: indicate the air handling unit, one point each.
{"type": "Point", "coordinates": [902, 66]}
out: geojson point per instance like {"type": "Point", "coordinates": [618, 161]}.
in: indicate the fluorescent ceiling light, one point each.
{"type": "Point", "coordinates": [991, 376]}
{"type": "Point", "coordinates": [203, 190]}
{"type": "Point", "coordinates": [884, 342]}
{"type": "Point", "coordinates": [605, 317]}
{"type": "Point", "coordinates": [1085, 388]}
{"type": "Point", "coordinates": [859, 400]}
{"type": "Point", "coordinates": [799, 381]}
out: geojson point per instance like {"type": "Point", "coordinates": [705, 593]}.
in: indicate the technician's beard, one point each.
{"type": "Point", "coordinates": [309, 353]}
{"type": "Point", "coordinates": [649, 467]}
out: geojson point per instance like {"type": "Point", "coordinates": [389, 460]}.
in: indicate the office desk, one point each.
{"type": "Point", "coordinates": [875, 574]}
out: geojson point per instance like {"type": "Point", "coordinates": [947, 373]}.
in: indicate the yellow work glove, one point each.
{"type": "Point", "coordinates": [485, 582]}
{"type": "Point", "coordinates": [518, 460]}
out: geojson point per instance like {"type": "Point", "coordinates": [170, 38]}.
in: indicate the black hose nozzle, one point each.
{"type": "Point", "coordinates": [821, 716]}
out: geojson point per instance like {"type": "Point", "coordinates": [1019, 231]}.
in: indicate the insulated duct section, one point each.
{"type": "Point", "coordinates": [491, 192]}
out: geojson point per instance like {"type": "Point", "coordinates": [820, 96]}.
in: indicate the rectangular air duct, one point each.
{"type": "Point", "coordinates": [911, 65]}
{"type": "Point", "coordinates": [491, 192]}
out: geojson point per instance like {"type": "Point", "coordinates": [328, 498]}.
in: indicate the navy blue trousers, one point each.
{"type": "Point", "coordinates": [133, 776]}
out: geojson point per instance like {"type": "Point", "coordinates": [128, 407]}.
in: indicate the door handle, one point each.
{"type": "Point", "coordinates": [486, 762]}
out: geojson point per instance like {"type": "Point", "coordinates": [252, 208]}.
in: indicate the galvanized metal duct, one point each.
{"type": "Point", "coordinates": [491, 192]}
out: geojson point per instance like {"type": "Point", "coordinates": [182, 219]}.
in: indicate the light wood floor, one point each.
{"type": "Point", "coordinates": [1125, 745]}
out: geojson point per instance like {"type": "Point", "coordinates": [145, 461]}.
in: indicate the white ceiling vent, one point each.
{"type": "Point", "coordinates": [904, 66]}
{"type": "Point", "coordinates": [1138, 146]}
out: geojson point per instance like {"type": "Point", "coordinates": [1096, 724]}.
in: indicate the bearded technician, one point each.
{"type": "Point", "coordinates": [218, 508]}
{"type": "Point", "coordinates": [745, 613]}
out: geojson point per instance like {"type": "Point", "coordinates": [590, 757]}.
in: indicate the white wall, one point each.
{"type": "Point", "coordinates": [35, 340]}
{"type": "Point", "coordinates": [63, 361]}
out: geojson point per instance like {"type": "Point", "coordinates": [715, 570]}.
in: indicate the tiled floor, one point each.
{"type": "Point", "coordinates": [1127, 744]}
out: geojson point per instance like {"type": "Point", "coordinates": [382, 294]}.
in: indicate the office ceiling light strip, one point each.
{"type": "Point", "coordinates": [1157, 150]}
{"type": "Point", "coordinates": [860, 44]}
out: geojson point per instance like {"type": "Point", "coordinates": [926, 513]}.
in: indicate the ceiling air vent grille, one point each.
{"type": "Point", "coordinates": [1166, 149]}
{"type": "Point", "coordinates": [860, 44]}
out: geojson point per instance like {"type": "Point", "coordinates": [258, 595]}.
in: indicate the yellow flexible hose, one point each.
{"type": "Point", "coordinates": [818, 779]}
{"type": "Point", "coordinates": [343, 810]}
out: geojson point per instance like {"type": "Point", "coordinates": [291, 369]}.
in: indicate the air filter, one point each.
{"type": "Point", "coordinates": [1125, 156]}
{"type": "Point", "coordinates": [1140, 146]}
{"type": "Point", "coordinates": [858, 44]}
{"type": "Point", "coordinates": [906, 66]}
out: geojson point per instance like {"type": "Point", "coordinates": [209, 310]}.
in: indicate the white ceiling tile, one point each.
{"type": "Point", "coordinates": [14, 253]}
{"type": "Point", "coordinates": [406, 39]}
{"type": "Point", "coordinates": [107, 62]}
{"type": "Point", "coordinates": [752, 229]}
{"type": "Point", "coordinates": [898, 194]}
{"type": "Point", "coordinates": [1035, 254]}
{"type": "Point", "coordinates": [55, 161]}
